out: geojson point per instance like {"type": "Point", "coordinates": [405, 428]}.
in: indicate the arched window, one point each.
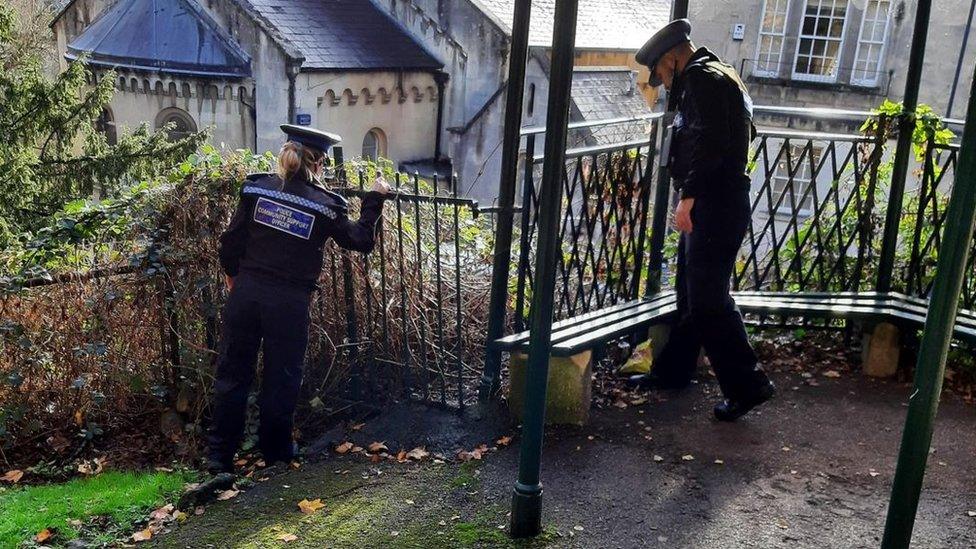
{"type": "Point", "coordinates": [374, 144]}
{"type": "Point", "coordinates": [105, 125]}
{"type": "Point", "coordinates": [182, 123]}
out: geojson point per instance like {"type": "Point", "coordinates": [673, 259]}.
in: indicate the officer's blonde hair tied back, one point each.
{"type": "Point", "coordinates": [294, 157]}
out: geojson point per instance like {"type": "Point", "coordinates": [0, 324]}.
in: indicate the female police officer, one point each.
{"type": "Point", "coordinates": [272, 256]}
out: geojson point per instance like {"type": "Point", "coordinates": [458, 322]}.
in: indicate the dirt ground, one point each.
{"type": "Point", "coordinates": [812, 469]}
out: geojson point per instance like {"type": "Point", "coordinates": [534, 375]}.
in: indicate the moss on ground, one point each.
{"type": "Point", "coordinates": [404, 507]}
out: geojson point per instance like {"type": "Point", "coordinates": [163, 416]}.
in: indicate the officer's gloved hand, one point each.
{"type": "Point", "coordinates": [380, 186]}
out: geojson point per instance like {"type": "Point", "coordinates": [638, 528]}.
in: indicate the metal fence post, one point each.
{"type": "Point", "coordinates": [930, 371]}
{"type": "Point", "coordinates": [662, 194]}
{"type": "Point", "coordinates": [498, 300]}
{"type": "Point", "coordinates": [527, 497]}
{"type": "Point", "coordinates": [903, 151]}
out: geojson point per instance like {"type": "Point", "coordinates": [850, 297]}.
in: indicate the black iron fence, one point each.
{"type": "Point", "coordinates": [411, 315]}
{"type": "Point", "coordinates": [819, 202]}
{"type": "Point", "coordinates": [604, 223]}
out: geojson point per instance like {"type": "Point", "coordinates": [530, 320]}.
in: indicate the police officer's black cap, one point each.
{"type": "Point", "coordinates": [674, 33]}
{"type": "Point", "coordinates": [310, 137]}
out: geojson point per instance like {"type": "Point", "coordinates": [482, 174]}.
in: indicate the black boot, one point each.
{"type": "Point", "coordinates": [218, 466]}
{"type": "Point", "coordinates": [652, 380]}
{"type": "Point", "coordinates": [731, 410]}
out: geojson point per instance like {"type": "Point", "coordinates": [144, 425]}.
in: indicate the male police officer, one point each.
{"type": "Point", "coordinates": [708, 156]}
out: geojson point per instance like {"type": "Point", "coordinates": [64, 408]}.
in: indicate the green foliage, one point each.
{"type": "Point", "coordinates": [928, 130]}
{"type": "Point", "coordinates": [123, 497]}
{"type": "Point", "coordinates": [51, 151]}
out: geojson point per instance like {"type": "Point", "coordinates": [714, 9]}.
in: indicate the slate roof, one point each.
{"type": "Point", "coordinates": [345, 35]}
{"type": "Point", "coordinates": [174, 36]}
{"type": "Point", "coordinates": [601, 24]}
{"type": "Point", "coordinates": [603, 93]}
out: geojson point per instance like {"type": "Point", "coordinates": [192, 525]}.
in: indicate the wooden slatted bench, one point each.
{"type": "Point", "coordinates": [586, 331]}
{"type": "Point", "coordinates": [574, 339]}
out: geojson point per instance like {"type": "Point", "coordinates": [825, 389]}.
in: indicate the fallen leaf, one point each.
{"type": "Point", "coordinates": [228, 494]}
{"type": "Point", "coordinates": [375, 458]}
{"type": "Point", "coordinates": [688, 457]}
{"type": "Point", "coordinates": [343, 448]}
{"type": "Point", "coordinates": [356, 449]}
{"type": "Point", "coordinates": [199, 510]}
{"type": "Point", "coordinates": [620, 404]}
{"type": "Point", "coordinates": [719, 462]}
{"type": "Point", "coordinates": [93, 467]}
{"type": "Point", "coordinates": [786, 448]}
{"type": "Point", "coordinates": [13, 476]}
{"type": "Point", "coordinates": [658, 459]}
{"type": "Point", "coordinates": [310, 507]}
{"type": "Point", "coordinates": [578, 528]}
{"type": "Point", "coordinates": [504, 441]}
{"type": "Point", "coordinates": [831, 373]}
{"type": "Point", "coordinates": [638, 401]}
{"type": "Point", "coordinates": [142, 535]}
{"type": "Point", "coordinates": [44, 535]}
{"type": "Point", "coordinates": [79, 418]}
{"type": "Point", "coordinates": [401, 456]}
{"type": "Point", "coordinates": [418, 454]}
{"type": "Point", "coordinates": [377, 447]}
{"type": "Point", "coordinates": [240, 462]}
{"type": "Point", "coordinates": [179, 516]}
{"type": "Point", "coordinates": [287, 538]}
{"type": "Point", "coordinates": [358, 426]}
{"type": "Point", "coordinates": [971, 513]}
{"type": "Point", "coordinates": [410, 502]}
{"type": "Point", "coordinates": [162, 513]}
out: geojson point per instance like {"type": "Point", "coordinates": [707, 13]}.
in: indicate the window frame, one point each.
{"type": "Point", "coordinates": [380, 144]}
{"type": "Point", "coordinates": [789, 180]}
{"type": "Point", "coordinates": [800, 36]}
{"type": "Point", "coordinates": [871, 82]}
{"type": "Point", "coordinates": [756, 71]}
{"type": "Point", "coordinates": [169, 114]}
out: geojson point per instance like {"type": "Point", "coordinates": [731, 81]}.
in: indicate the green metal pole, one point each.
{"type": "Point", "coordinates": [679, 9]}
{"type": "Point", "coordinates": [527, 497]}
{"type": "Point", "coordinates": [930, 371]}
{"type": "Point", "coordinates": [903, 151]}
{"type": "Point", "coordinates": [498, 300]}
{"type": "Point", "coordinates": [662, 191]}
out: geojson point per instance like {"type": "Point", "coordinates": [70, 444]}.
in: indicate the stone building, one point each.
{"type": "Point", "coordinates": [419, 81]}
{"type": "Point", "coordinates": [848, 54]}
{"type": "Point", "coordinates": [839, 54]}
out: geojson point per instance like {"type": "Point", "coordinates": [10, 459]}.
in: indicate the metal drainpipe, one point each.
{"type": "Point", "coordinates": [440, 78]}
{"type": "Point", "coordinates": [292, 72]}
{"type": "Point", "coordinates": [930, 371]}
{"type": "Point", "coordinates": [962, 55]}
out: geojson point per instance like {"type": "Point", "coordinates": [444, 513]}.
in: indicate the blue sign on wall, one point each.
{"type": "Point", "coordinates": [304, 120]}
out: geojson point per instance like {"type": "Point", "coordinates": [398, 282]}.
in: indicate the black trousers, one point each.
{"type": "Point", "coordinates": [707, 315]}
{"type": "Point", "coordinates": [260, 311]}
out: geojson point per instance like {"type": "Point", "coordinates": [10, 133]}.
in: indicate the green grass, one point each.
{"type": "Point", "coordinates": [123, 497]}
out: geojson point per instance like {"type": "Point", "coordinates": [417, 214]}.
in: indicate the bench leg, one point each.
{"type": "Point", "coordinates": [569, 390]}
{"type": "Point", "coordinates": [881, 351]}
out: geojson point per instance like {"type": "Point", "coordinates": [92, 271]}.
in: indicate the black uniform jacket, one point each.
{"type": "Point", "coordinates": [281, 229]}
{"type": "Point", "coordinates": [712, 128]}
